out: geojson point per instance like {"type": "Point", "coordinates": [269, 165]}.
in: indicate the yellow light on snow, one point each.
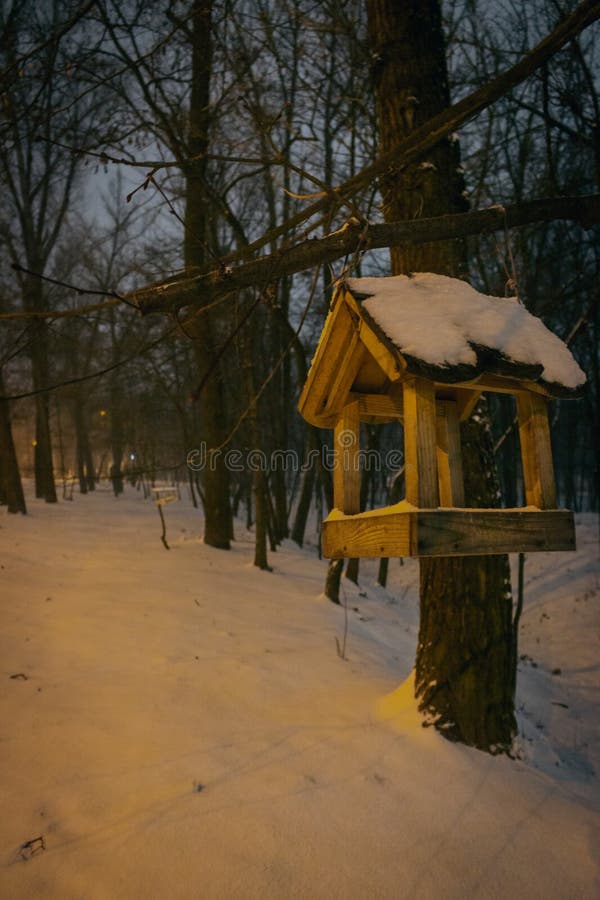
{"type": "Point", "coordinates": [399, 709]}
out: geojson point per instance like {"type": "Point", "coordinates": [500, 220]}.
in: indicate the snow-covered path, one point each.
{"type": "Point", "coordinates": [179, 725]}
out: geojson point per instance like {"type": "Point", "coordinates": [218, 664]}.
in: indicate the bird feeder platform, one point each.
{"type": "Point", "coordinates": [402, 530]}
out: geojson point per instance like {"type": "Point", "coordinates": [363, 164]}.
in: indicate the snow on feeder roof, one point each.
{"type": "Point", "coordinates": [448, 331]}
{"type": "Point", "coordinates": [421, 349]}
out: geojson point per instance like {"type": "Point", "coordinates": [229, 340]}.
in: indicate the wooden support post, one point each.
{"type": "Point", "coordinates": [420, 443]}
{"type": "Point", "coordinates": [536, 451]}
{"type": "Point", "coordinates": [346, 474]}
{"type": "Point", "coordinates": [449, 455]}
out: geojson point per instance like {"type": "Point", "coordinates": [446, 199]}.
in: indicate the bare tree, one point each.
{"type": "Point", "coordinates": [39, 178]}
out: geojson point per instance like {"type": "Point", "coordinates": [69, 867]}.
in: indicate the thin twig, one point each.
{"type": "Point", "coordinates": [93, 292]}
{"type": "Point", "coordinates": [155, 164]}
{"type": "Point", "coordinates": [163, 536]}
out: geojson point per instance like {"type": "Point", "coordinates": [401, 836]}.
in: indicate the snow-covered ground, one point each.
{"type": "Point", "coordinates": [180, 725]}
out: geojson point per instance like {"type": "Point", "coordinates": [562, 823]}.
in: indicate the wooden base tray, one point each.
{"type": "Point", "coordinates": [404, 530]}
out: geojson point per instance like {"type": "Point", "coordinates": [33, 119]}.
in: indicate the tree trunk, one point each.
{"type": "Point", "coordinates": [466, 658]}
{"type": "Point", "coordinates": [215, 495]}
{"type": "Point", "coordinates": [333, 580]}
{"type": "Point", "coordinates": [411, 82]}
{"type": "Point", "coordinates": [116, 442]}
{"type": "Point", "coordinates": [88, 458]}
{"type": "Point", "coordinates": [352, 569]}
{"type": "Point", "coordinates": [281, 391]}
{"type": "Point", "coordinates": [249, 519]}
{"type": "Point", "coordinates": [382, 572]}
{"type": "Point", "coordinates": [304, 501]}
{"type": "Point", "coordinates": [465, 678]}
{"type": "Point", "coordinates": [11, 489]}
{"type": "Point", "coordinates": [215, 498]}
{"type": "Point", "coordinates": [259, 480]}
{"type": "Point", "coordinates": [80, 463]}
{"type": "Point", "coordinates": [280, 511]}
{"type": "Point", "coordinates": [260, 523]}
{"type": "Point", "coordinates": [85, 470]}
{"type": "Point", "coordinates": [43, 467]}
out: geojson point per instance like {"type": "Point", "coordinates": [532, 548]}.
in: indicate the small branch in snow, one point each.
{"type": "Point", "coordinates": [341, 650]}
{"type": "Point", "coordinates": [30, 848]}
{"type": "Point", "coordinates": [163, 536]}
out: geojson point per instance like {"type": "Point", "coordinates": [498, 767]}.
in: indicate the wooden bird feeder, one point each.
{"type": "Point", "coordinates": [421, 350]}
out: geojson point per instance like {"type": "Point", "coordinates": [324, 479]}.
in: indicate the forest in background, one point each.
{"type": "Point", "coordinates": [141, 139]}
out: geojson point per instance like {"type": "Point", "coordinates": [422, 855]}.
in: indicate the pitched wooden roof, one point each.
{"type": "Point", "coordinates": [441, 328]}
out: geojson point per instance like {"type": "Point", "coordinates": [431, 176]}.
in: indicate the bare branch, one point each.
{"type": "Point", "coordinates": [425, 137]}
{"type": "Point", "coordinates": [105, 157]}
{"type": "Point", "coordinates": [356, 236]}
{"type": "Point", "coordinates": [61, 313]}
{"type": "Point", "coordinates": [93, 292]}
{"type": "Point", "coordinates": [55, 36]}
